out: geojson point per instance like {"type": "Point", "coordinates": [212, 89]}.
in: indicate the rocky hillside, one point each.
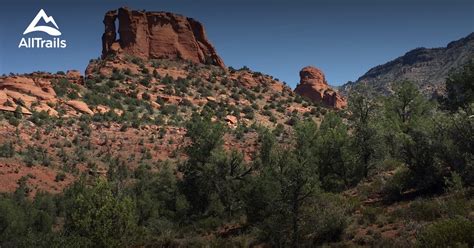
{"type": "Point", "coordinates": [132, 103]}
{"type": "Point", "coordinates": [159, 144]}
{"type": "Point", "coordinates": [427, 67]}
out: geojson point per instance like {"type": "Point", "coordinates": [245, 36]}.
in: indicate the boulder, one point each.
{"type": "Point", "coordinates": [231, 119]}
{"type": "Point", "coordinates": [44, 107]}
{"type": "Point", "coordinates": [73, 75]}
{"type": "Point", "coordinates": [80, 106]}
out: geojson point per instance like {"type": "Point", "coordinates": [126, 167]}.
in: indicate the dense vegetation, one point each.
{"type": "Point", "coordinates": [290, 194]}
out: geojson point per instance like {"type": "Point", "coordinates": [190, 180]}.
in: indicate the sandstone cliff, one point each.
{"type": "Point", "coordinates": [153, 35]}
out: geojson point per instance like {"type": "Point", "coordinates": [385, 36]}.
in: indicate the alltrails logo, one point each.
{"type": "Point", "coordinates": [38, 42]}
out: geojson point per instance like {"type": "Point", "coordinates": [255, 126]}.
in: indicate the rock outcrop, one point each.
{"type": "Point", "coordinates": [28, 93]}
{"type": "Point", "coordinates": [156, 35]}
{"type": "Point", "coordinates": [35, 92]}
{"type": "Point", "coordinates": [426, 67]}
{"type": "Point", "coordinates": [313, 85]}
{"type": "Point", "coordinates": [80, 106]}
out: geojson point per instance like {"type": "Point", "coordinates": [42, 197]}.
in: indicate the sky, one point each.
{"type": "Point", "coordinates": [344, 38]}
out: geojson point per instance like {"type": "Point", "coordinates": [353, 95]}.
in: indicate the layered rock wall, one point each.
{"type": "Point", "coordinates": [154, 35]}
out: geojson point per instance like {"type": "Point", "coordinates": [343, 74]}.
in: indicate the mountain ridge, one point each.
{"type": "Point", "coordinates": [426, 67]}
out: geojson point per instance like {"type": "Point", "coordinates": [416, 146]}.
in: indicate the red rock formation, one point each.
{"type": "Point", "coordinates": [20, 89]}
{"type": "Point", "coordinates": [74, 75]}
{"type": "Point", "coordinates": [313, 86]}
{"type": "Point", "coordinates": [80, 106]}
{"type": "Point", "coordinates": [35, 92]}
{"type": "Point", "coordinates": [157, 35]}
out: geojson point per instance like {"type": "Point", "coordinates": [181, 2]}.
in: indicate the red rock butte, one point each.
{"type": "Point", "coordinates": [155, 35]}
{"type": "Point", "coordinates": [313, 85]}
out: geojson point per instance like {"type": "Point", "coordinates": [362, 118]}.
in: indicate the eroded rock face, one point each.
{"type": "Point", "coordinates": [313, 85]}
{"type": "Point", "coordinates": [152, 35]}
{"type": "Point", "coordinates": [35, 92]}
{"type": "Point", "coordinates": [23, 90]}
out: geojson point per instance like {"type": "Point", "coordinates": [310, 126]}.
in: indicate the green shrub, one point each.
{"type": "Point", "coordinates": [63, 87]}
{"type": "Point", "coordinates": [145, 82]}
{"type": "Point", "coordinates": [235, 96]}
{"type": "Point", "coordinates": [396, 185]}
{"type": "Point", "coordinates": [167, 80]}
{"type": "Point", "coordinates": [272, 119]}
{"type": "Point", "coordinates": [117, 75]}
{"type": "Point", "coordinates": [292, 121]}
{"type": "Point", "coordinates": [13, 119]}
{"type": "Point", "coordinates": [111, 84]}
{"type": "Point", "coordinates": [279, 129]}
{"type": "Point", "coordinates": [369, 214]}
{"type": "Point", "coordinates": [186, 102]}
{"type": "Point", "coordinates": [60, 177]}
{"type": "Point", "coordinates": [73, 95]}
{"type": "Point", "coordinates": [97, 215]}
{"type": "Point", "coordinates": [457, 205]}
{"type": "Point", "coordinates": [247, 109]}
{"type": "Point", "coordinates": [128, 72]}
{"type": "Point", "coordinates": [136, 60]}
{"type": "Point", "coordinates": [330, 224]}
{"type": "Point", "coordinates": [249, 112]}
{"type": "Point", "coordinates": [267, 112]}
{"type": "Point", "coordinates": [156, 74]}
{"type": "Point", "coordinates": [145, 96]}
{"type": "Point", "coordinates": [427, 210]}
{"type": "Point", "coordinates": [7, 150]}
{"type": "Point", "coordinates": [39, 118]}
{"type": "Point", "coordinates": [205, 92]}
{"type": "Point", "coordinates": [459, 88]}
{"type": "Point", "coordinates": [250, 115]}
{"type": "Point", "coordinates": [84, 126]}
{"type": "Point", "coordinates": [457, 232]}
{"type": "Point", "coordinates": [35, 155]}
{"type": "Point", "coordinates": [298, 99]}
{"type": "Point", "coordinates": [169, 109]}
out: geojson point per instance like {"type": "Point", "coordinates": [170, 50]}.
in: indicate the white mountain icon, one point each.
{"type": "Point", "coordinates": [47, 19]}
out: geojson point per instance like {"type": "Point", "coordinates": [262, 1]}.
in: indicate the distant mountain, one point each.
{"type": "Point", "coordinates": [427, 67]}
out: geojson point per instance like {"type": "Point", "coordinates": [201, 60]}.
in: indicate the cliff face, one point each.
{"type": "Point", "coordinates": [156, 35]}
{"type": "Point", "coordinates": [313, 85]}
{"type": "Point", "coordinates": [427, 68]}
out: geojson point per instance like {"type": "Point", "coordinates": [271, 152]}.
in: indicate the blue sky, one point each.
{"type": "Point", "coordinates": [344, 38]}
